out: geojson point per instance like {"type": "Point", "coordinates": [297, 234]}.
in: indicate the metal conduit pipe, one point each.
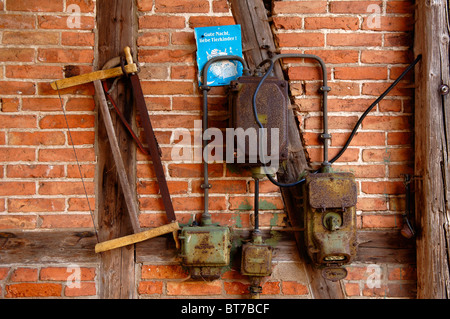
{"type": "Point", "coordinates": [206, 216]}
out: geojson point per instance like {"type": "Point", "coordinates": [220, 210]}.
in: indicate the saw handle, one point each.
{"type": "Point", "coordinates": [128, 55]}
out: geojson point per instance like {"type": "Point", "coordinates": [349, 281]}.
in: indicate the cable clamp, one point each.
{"type": "Point", "coordinates": [325, 136]}
{"type": "Point", "coordinates": [325, 88]}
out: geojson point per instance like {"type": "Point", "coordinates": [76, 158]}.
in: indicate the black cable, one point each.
{"type": "Point", "coordinates": [256, 208]}
{"type": "Point", "coordinates": [344, 148]}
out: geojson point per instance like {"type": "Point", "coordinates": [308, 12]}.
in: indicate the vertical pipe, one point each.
{"type": "Point", "coordinates": [206, 217]}
{"type": "Point", "coordinates": [256, 208]}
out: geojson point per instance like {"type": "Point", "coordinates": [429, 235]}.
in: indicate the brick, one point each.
{"type": "Point", "coordinates": [35, 6]}
{"type": "Point", "coordinates": [352, 6]}
{"type": "Point", "coordinates": [288, 23]}
{"type": "Point", "coordinates": [194, 288]}
{"type": "Point", "coordinates": [380, 221]}
{"type": "Point", "coordinates": [74, 121]}
{"type": "Point", "coordinates": [194, 170]}
{"type": "Point", "coordinates": [77, 39]}
{"type": "Point", "coordinates": [30, 37]}
{"type": "Point", "coordinates": [66, 221]}
{"type": "Point", "coordinates": [16, 87]}
{"type": "Point", "coordinates": [169, 55]}
{"type": "Point", "coordinates": [390, 24]}
{"type": "Point", "coordinates": [399, 138]}
{"type": "Point", "coordinates": [65, 188]}
{"type": "Point", "coordinates": [35, 204]}
{"type": "Point", "coordinates": [17, 221]}
{"type": "Point", "coordinates": [80, 204]}
{"type": "Point", "coordinates": [387, 123]}
{"type": "Point", "coordinates": [293, 288]}
{"type": "Point", "coordinates": [336, 56]}
{"type": "Point", "coordinates": [79, 104]}
{"type": "Point", "coordinates": [17, 21]}
{"type": "Point", "coordinates": [65, 55]}
{"type": "Point", "coordinates": [24, 274]}
{"type": "Point", "coordinates": [161, 22]}
{"type": "Point", "coordinates": [183, 38]}
{"type": "Point", "coordinates": [181, 6]}
{"type": "Point", "coordinates": [341, 88]}
{"type": "Point", "coordinates": [33, 72]}
{"type": "Point", "coordinates": [385, 56]}
{"type": "Point", "coordinates": [163, 272]}
{"type": "Point", "coordinates": [167, 88]}
{"type": "Point", "coordinates": [352, 289]}
{"type": "Point", "coordinates": [17, 121]}
{"type": "Point", "coordinates": [41, 104]}
{"type": "Point", "coordinates": [388, 155]}
{"type": "Point", "coordinates": [271, 288]}
{"type": "Point", "coordinates": [359, 139]}
{"type": "Point", "coordinates": [17, 154]}
{"type": "Point", "coordinates": [150, 287]}
{"type": "Point", "coordinates": [60, 22]}
{"type": "Point", "coordinates": [206, 21]}
{"type": "Point", "coordinates": [220, 6]}
{"type": "Point", "coordinates": [375, 291]}
{"type": "Point", "coordinates": [36, 138]}
{"type": "Point", "coordinates": [34, 171]}
{"type": "Point", "coordinates": [17, 188]}
{"type": "Point", "coordinates": [354, 39]}
{"type": "Point", "coordinates": [4, 272]}
{"type": "Point", "coordinates": [376, 89]}
{"type": "Point", "coordinates": [299, 7]}
{"type": "Point", "coordinates": [82, 138]}
{"type": "Point", "coordinates": [145, 5]}
{"type": "Point", "coordinates": [63, 273]}
{"type": "Point", "coordinates": [300, 39]}
{"type": "Point", "coordinates": [399, 7]}
{"type": "Point", "coordinates": [361, 73]}
{"type": "Point", "coordinates": [66, 155]}
{"type": "Point", "coordinates": [306, 73]}
{"type": "Point", "coordinates": [33, 290]}
{"type": "Point", "coordinates": [341, 23]}
{"type": "Point", "coordinates": [371, 204]}
{"type": "Point", "coordinates": [363, 171]}
{"type": "Point", "coordinates": [9, 104]}
{"type": "Point", "coordinates": [384, 187]}
{"type": "Point", "coordinates": [84, 289]}
{"type": "Point", "coordinates": [153, 39]}
{"type": "Point", "coordinates": [236, 288]}
{"type": "Point", "coordinates": [16, 55]}
{"type": "Point", "coordinates": [398, 39]}
{"type": "Point", "coordinates": [87, 171]}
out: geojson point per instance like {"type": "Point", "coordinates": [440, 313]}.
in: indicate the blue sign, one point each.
{"type": "Point", "coordinates": [217, 41]}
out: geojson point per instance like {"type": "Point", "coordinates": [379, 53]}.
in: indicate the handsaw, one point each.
{"type": "Point", "coordinates": [138, 235]}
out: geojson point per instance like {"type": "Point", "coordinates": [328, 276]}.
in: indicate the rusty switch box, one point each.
{"type": "Point", "coordinates": [205, 249]}
{"type": "Point", "coordinates": [330, 218]}
{"type": "Point", "coordinates": [272, 108]}
{"type": "Point", "coordinates": [256, 259]}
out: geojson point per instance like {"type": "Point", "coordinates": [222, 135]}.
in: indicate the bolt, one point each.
{"type": "Point", "coordinates": [444, 89]}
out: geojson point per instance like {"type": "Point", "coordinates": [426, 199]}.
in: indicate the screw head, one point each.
{"type": "Point", "coordinates": [444, 89]}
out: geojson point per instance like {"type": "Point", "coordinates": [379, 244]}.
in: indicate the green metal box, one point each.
{"type": "Point", "coordinates": [330, 218]}
{"type": "Point", "coordinates": [256, 260]}
{"type": "Point", "coordinates": [205, 246]}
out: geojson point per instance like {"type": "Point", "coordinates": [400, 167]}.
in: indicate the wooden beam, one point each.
{"type": "Point", "coordinates": [116, 23]}
{"type": "Point", "coordinates": [257, 44]}
{"type": "Point", "coordinates": [432, 124]}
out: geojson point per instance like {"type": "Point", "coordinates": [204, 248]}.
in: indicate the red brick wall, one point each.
{"type": "Point", "coordinates": [40, 186]}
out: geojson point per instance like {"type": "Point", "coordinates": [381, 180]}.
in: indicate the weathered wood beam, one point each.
{"type": "Point", "coordinates": [116, 23]}
{"type": "Point", "coordinates": [257, 44]}
{"type": "Point", "coordinates": [432, 124]}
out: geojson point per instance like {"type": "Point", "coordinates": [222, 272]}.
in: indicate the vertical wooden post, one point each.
{"type": "Point", "coordinates": [432, 116]}
{"type": "Point", "coordinates": [257, 43]}
{"type": "Point", "coordinates": [116, 30]}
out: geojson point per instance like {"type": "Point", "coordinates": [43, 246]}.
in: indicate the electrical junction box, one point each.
{"type": "Point", "coordinates": [256, 260]}
{"type": "Point", "coordinates": [330, 219]}
{"type": "Point", "coordinates": [272, 108]}
{"type": "Point", "coordinates": [205, 250]}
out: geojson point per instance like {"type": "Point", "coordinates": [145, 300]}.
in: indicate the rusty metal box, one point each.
{"type": "Point", "coordinates": [205, 246]}
{"type": "Point", "coordinates": [272, 108]}
{"type": "Point", "coordinates": [330, 217]}
{"type": "Point", "coordinates": [256, 260]}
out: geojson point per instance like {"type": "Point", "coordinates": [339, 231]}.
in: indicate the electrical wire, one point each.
{"type": "Point", "coordinates": [350, 138]}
